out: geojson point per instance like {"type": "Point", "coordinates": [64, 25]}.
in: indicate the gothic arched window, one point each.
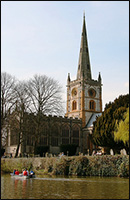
{"type": "Point", "coordinates": [74, 105]}
{"type": "Point", "coordinates": [65, 134]}
{"type": "Point", "coordinates": [54, 135]}
{"type": "Point", "coordinates": [92, 105]}
{"type": "Point", "coordinates": [75, 135]}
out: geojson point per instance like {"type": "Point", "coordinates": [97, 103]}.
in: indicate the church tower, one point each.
{"type": "Point", "coordinates": [84, 95]}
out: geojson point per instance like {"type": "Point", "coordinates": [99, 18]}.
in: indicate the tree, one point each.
{"type": "Point", "coordinates": [8, 98]}
{"type": "Point", "coordinates": [121, 132]}
{"type": "Point", "coordinates": [45, 98]}
{"type": "Point", "coordinates": [22, 106]}
{"type": "Point", "coordinates": [45, 95]}
{"type": "Point", "coordinates": [104, 126]}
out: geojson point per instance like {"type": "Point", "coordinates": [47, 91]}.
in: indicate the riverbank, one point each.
{"type": "Point", "coordinates": [105, 165]}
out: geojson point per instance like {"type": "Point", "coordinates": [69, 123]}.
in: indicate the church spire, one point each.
{"type": "Point", "coordinates": [68, 79]}
{"type": "Point", "coordinates": [99, 78]}
{"type": "Point", "coordinates": [84, 62]}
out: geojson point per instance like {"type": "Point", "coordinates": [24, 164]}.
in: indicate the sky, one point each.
{"type": "Point", "coordinates": [43, 37]}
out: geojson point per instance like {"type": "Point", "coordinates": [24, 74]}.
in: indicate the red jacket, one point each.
{"type": "Point", "coordinates": [17, 172]}
{"type": "Point", "coordinates": [25, 173]}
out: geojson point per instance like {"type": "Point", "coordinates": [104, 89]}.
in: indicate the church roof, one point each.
{"type": "Point", "coordinates": [92, 119]}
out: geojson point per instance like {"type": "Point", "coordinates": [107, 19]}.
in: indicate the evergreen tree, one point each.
{"type": "Point", "coordinates": [104, 126]}
{"type": "Point", "coordinates": [122, 129]}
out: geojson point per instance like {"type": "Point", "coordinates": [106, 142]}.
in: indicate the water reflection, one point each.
{"type": "Point", "coordinates": [57, 187]}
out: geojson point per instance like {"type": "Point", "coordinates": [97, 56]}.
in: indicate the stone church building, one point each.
{"type": "Point", "coordinates": [84, 103]}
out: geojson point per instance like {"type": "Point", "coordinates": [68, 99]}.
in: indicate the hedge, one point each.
{"type": "Point", "coordinates": [105, 165]}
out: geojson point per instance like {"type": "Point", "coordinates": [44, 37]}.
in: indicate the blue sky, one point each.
{"type": "Point", "coordinates": [43, 37]}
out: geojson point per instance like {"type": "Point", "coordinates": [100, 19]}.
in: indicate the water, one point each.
{"type": "Point", "coordinates": [60, 187]}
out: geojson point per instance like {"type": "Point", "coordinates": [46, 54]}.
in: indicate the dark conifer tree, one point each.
{"type": "Point", "coordinates": [104, 126]}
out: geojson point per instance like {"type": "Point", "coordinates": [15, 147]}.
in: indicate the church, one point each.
{"type": "Point", "coordinates": [84, 104]}
{"type": "Point", "coordinates": [84, 95]}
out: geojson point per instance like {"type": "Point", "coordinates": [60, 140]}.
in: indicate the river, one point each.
{"type": "Point", "coordinates": [64, 187]}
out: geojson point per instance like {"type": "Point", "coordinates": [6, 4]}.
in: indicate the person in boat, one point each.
{"type": "Point", "coordinates": [16, 172]}
{"type": "Point", "coordinates": [27, 172]}
{"type": "Point", "coordinates": [24, 172]}
{"type": "Point", "coordinates": [32, 172]}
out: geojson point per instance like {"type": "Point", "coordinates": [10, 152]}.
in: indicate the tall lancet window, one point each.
{"type": "Point", "coordinates": [92, 105]}
{"type": "Point", "coordinates": [74, 105]}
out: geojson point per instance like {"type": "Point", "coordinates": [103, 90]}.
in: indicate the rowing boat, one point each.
{"type": "Point", "coordinates": [22, 176]}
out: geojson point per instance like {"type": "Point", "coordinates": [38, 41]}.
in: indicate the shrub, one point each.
{"type": "Point", "coordinates": [49, 164]}
{"type": "Point", "coordinates": [79, 166]}
{"type": "Point", "coordinates": [107, 165]}
{"type": "Point", "coordinates": [107, 170]}
{"type": "Point", "coordinates": [124, 167]}
{"type": "Point", "coordinates": [61, 167]}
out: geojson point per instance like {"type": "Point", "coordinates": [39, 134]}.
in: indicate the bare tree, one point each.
{"type": "Point", "coordinates": [33, 99]}
{"type": "Point", "coordinates": [8, 98]}
{"type": "Point", "coordinates": [45, 96]}
{"type": "Point", "coordinates": [20, 115]}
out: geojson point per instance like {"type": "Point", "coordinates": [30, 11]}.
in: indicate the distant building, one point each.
{"type": "Point", "coordinates": [84, 103]}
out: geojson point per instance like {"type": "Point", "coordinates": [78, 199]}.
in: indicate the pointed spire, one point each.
{"type": "Point", "coordinates": [99, 78]}
{"type": "Point", "coordinates": [84, 14]}
{"type": "Point", "coordinates": [84, 61]}
{"type": "Point", "coordinates": [68, 80]}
